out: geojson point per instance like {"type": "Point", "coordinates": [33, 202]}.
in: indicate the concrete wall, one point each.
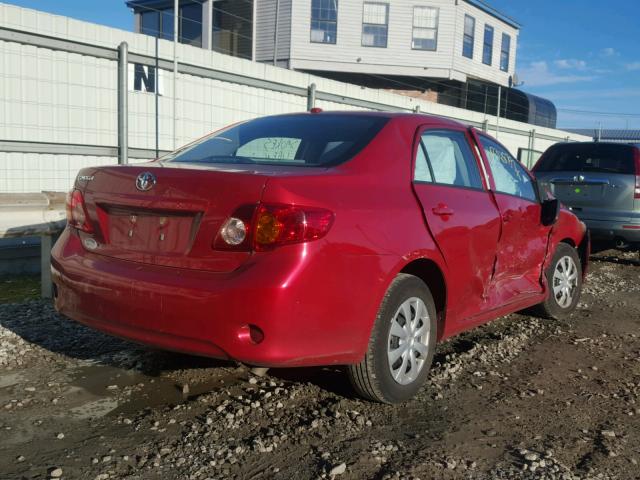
{"type": "Point", "coordinates": [58, 94]}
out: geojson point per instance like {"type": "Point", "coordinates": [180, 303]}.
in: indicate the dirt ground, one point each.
{"type": "Point", "coordinates": [519, 398]}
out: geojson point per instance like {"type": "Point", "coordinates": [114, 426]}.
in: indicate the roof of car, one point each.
{"type": "Point", "coordinates": [618, 144]}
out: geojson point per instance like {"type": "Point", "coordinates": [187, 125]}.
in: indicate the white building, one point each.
{"type": "Point", "coordinates": [61, 89]}
{"type": "Point", "coordinates": [460, 53]}
{"type": "Point", "coordinates": [435, 39]}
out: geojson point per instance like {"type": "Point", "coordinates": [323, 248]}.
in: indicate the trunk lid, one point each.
{"type": "Point", "coordinates": [175, 221]}
{"type": "Point", "coordinates": [593, 190]}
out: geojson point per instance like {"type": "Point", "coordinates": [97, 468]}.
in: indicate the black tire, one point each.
{"type": "Point", "coordinates": [551, 307]}
{"type": "Point", "coordinates": [372, 377]}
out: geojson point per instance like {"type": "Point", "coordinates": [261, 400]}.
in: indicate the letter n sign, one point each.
{"type": "Point", "coordinates": [143, 78]}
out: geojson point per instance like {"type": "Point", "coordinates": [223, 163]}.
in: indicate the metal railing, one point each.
{"type": "Point", "coordinates": [123, 57]}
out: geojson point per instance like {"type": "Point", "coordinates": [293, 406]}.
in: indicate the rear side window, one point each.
{"type": "Point", "coordinates": [314, 140]}
{"type": "Point", "coordinates": [445, 157]}
{"type": "Point", "coordinates": [588, 157]}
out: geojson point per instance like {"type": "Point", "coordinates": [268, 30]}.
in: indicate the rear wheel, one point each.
{"type": "Point", "coordinates": [564, 279]}
{"type": "Point", "coordinates": [401, 346]}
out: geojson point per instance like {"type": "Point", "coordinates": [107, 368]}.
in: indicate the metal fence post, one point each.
{"type": "Point", "coordinates": [311, 96]}
{"type": "Point", "coordinates": [123, 106]}
{"type": "Point", "coordinates": [46, 243]}
{"type": "Point", "coordinates": [416, 109]}
{"type": "Point", "coordinates": [532, 139]}
{"type": "Point", "coordinates": [485, 126]}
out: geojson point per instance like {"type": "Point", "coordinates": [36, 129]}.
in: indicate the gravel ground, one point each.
{"type": "Point", "coordinates": [520, 398]}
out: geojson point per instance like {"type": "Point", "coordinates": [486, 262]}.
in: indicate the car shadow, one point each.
{"type": "Point", "coordinates": [37, 323]}
{"type": "Point", "coordinates": [331, 379]}
{"type": "Point", "coordinates": [603, 252]}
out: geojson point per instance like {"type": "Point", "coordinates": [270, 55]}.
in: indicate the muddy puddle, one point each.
{"type": "Point", "coordinates": [99, 390]}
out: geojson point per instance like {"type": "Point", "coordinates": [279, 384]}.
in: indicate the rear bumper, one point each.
{"type": "Point", "coordinates": [612, 229]}
{"type": "Point", "coordinates": [292, 297]}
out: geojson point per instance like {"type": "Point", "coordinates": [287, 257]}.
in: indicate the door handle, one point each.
{"type": "Point", "coordinates": [442, 210]}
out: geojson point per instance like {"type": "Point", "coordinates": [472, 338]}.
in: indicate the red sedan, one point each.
{"type": "Point", "coordinates": [358, 239]}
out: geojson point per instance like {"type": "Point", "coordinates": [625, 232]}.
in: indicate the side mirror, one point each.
{"type": "Point", "coordinates": [550, 212]}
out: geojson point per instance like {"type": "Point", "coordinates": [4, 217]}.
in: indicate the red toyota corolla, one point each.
{"type": "Point", "coordinates": [319, 238]}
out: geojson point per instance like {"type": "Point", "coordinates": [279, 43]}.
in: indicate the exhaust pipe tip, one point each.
{"type": "Point", "coordinates": [621, 244]}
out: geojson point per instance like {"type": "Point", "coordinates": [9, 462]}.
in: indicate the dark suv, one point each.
{"type": "Point", "coordinates": [600, 182]}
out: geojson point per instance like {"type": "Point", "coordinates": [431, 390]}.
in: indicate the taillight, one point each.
{"type": "Point", "coordinates": [235, 232]}
{"type": "Point", "coordinates": [77, 216]}
{"type": "Point", "coordinates": [271, 226]}
{"type": "Point", "coordinates": [636, 192]}
{"type": "Point", "coordinates": [284, 224]}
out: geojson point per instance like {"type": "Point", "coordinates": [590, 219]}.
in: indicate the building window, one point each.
{"type": "Point", "coordinates": [505, 51]}
{"type": "Point", "coordinates": [425, 28]}
{"type": "Point", "coordinates": [159, 23]}
{"type": "Point", "coordinates": [233, 28]}
{"type": "Point", "coordinates": [375, 24]}
{"type": "Point", "coordinates": [191, 24]}
{"type": "Point", "coordinates": [150, 23]}
{"type": "Point", "coordinates": [469, 36]}
{"type": "Point", "coordinates": [324, 21]}
{"type": "Point", "coordinates": [487, 49]}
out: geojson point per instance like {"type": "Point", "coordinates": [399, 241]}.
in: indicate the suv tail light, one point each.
{"type": "Point", "coordinates": [636, 192]}
{"type": "Point", "coordinates": [267, 226]}
{"type": "Point", "coordinates": [77, 212]}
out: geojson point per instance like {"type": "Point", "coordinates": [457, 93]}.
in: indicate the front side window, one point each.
{"type": "Point", "coordinates": [375, 24]}
{"type": "Point", "coordinates": [297, 140]}
{"type": "Point", "coordinates": [509, 175]}
{"type": "Point", "coordinates": [505, 52]}
{"type": "Point", "coordinates": [487, 49]}
{"type": "Point", "coordinates": [469, 36]}
{"type": "Point", "coordinates": [449, 160]}
{"type": "Point", "coordinates": [324, 21]}
{"type": "Point", "coordinates": [425, 28]}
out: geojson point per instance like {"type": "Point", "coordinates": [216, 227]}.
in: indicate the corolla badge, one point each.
{"type": "Point", "coordinates": [145, 181]}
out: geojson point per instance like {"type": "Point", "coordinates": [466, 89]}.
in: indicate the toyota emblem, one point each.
{"type": "Point", "coordinates": [145, 181]}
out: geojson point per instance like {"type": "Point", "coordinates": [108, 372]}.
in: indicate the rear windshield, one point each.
{"type": "Point", "coordinates": [314, 140]}
{"type": "Point", "coordinates": [588, 158]}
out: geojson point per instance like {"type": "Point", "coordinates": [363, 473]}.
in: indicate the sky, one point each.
{"type": "Point", "coordinates": [583, 55]}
